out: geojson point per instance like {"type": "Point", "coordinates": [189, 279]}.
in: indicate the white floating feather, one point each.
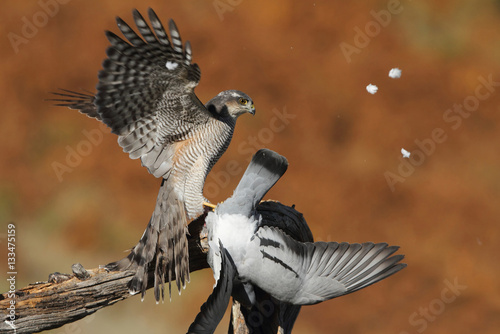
{"type": "Point", "coordinates": [405, 153]}
{"type": "Point", "coordinates": [395, 73]}
{"type": "Point", "coordinates": [372, 89]}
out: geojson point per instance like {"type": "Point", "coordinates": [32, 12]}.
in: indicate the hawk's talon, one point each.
{"type": "Point", "coordinates": [209, 205]}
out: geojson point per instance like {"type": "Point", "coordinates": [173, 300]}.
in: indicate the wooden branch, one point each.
{"type": "Point", "coordinates": [65, 298]}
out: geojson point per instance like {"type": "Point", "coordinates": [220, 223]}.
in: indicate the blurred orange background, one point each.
{"type": "Point", "coordinates": [306, 65]}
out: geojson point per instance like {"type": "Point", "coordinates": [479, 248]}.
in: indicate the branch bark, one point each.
{"type": "Point", "coordinates": [66, 298]}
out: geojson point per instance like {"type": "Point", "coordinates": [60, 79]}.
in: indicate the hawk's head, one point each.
{"type": "Point", "coordinates": [231, 103]}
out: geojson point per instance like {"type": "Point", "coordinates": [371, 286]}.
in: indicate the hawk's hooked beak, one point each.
{"type": "Point", "coordinates": [252, 109]}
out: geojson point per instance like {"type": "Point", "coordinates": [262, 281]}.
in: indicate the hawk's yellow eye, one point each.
{"type": "Point", "coordinates": [243, 101]}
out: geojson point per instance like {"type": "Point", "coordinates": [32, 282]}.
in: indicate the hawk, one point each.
{"type": "Point", "coordinates": [246, 254]}
{"type": "Point", "coordinates": [146, 96]}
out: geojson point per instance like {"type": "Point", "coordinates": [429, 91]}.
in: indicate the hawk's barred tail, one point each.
{"type": "Point", "coordinates": [172, 255]}
{"type": "Point", "coordinates": [165, 241]}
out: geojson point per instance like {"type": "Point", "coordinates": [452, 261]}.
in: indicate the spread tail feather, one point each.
{"type": "Point", "coordinates": [164, 241]}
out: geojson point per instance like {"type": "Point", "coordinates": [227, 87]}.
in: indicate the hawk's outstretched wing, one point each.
{"type": "Point", "coordinates": [145, 92]}
{"type": "Point", "coordinates": [82, 102]}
